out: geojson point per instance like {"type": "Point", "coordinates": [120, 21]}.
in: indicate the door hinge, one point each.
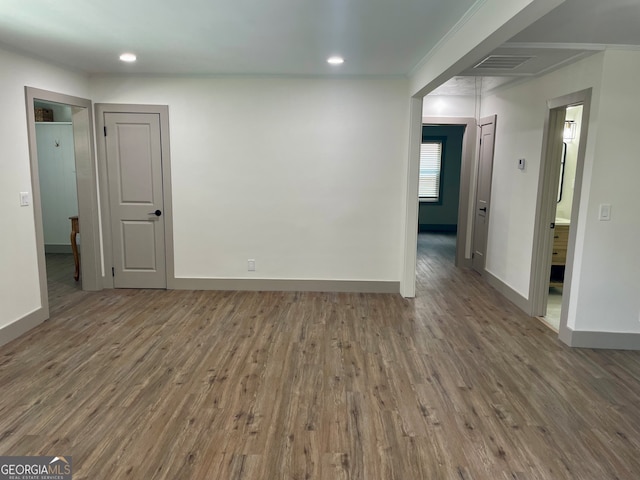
{"type": "Point", "coordinates": [113, 272]}
{"type": "Point", "coordinates": [105, 131]}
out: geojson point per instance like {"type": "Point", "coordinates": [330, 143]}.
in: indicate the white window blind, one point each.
{"type": "Point", "coordinates": [430, 163]}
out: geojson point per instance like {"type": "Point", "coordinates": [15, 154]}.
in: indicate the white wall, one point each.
{"type": "Point", "coordinates": [448, 106]}
{"type": "Point", "coordinates": [57, 175]}
{"type": "Point", "coordinates": [303, 175]}
{"type": "Point", "coordinates": [608, 297]}
{"type": "Point", "coordinates": [606, 274]}
{"type": "Point", "coordinates": [19, 288]}
{"type": "Point", "coordinates": [521, 111]}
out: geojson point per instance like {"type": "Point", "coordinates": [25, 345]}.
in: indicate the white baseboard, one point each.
{"type": "Point", "coordinates": [22, 325]}
{"type": "Point", "coordinates": [285, 285]}
{"type": "Point", "coordinates": [607, 340]}
{"type": "Point", "coordinates": [521, 302]}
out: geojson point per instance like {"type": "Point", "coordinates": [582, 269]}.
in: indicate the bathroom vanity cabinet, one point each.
{"type": "Point", "coordinates": [559, 256]}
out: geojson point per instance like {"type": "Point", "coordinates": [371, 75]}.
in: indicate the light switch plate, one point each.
{"type": "Point", "coordinates": [521, 163]}
{"type": "Point", "coordinates": [605, 212]}
{"type": "Point", "coordinates": [25, 199]}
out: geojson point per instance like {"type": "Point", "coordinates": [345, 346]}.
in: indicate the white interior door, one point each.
{"type": "Point", "coordinates": [483, 193]}
{"type": "Point", "coordinates": [134, 166]}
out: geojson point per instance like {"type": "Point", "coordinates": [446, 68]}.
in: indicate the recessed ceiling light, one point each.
{"type": "Point", "coordinates": [128, 57]}
{"type": "Point", "coordinates": [335, 60]}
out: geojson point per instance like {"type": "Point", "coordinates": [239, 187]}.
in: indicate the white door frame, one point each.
{"type": "Point", "coordinates": [163, 112]}
{"type": "Point", "coordinates": [546, 205]}
{"type": "Point", "coordinates": [410, 257]}
{"type": "Point", "coordinates": [86, 175]}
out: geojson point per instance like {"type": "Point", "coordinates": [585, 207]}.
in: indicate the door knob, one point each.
{"type": "Point", "coordinates": [157, 213]}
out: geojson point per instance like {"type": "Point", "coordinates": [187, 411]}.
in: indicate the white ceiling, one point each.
{"type": "Point", "coordinates": [290, 37]}
{"type": "Point", "coordinates": [294, 37]}
{"type": "Point", "coordinates": [603, 22]}
{"type": "Point", "coordinates": [575, 29]}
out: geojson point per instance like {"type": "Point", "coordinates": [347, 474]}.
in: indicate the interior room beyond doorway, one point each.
{"type": "Point", "coordinates": [564, 206]}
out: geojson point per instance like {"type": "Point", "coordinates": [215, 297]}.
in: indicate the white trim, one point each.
{"type": "Point", "coordinates": [555, 46]}
{"type": "Point", "coordinates": [19, 327]}
{"type": "Point", "coordinates": [592, 47]}
{"type": "Point", "coordinates": [567, 61]}
{"type": "Point", "coordinates": [286, 285]}
{"type": "Point", "coordinates": [410, 257]}
{"type": "Point", "coordinates": [509, 293]}
{"type": "Point", "coordinates": [86, 175]}
{"type": "Point", "coordinates": [454, 30]}
{"type": "Point", "coordinates": [607, 340]}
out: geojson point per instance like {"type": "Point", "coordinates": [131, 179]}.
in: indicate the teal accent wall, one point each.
{"type": "Point", "coordinates": [443, 216]}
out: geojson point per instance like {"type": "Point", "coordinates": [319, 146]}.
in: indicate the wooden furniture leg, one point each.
{"type": "Point", "coordinates": [75, 229]}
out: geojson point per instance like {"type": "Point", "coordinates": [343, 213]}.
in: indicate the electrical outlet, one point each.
{"type": "Point", "coordinates": [251, 265]}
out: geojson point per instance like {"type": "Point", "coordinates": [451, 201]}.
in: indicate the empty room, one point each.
{"type": "Point", "coordinates": [343, 240]}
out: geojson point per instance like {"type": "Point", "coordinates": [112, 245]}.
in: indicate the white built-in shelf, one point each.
{"type": "Point", "coordinates": [54, 123]}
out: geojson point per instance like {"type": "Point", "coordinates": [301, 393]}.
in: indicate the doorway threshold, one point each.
{"type": "Point", "coordinates": [549, 323]}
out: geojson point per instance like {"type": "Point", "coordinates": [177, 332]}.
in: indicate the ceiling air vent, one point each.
{"type": "Point", "coordinates": [503, 62]}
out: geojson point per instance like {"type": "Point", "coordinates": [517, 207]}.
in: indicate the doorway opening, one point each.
{"type": "Point", "coordinates": [446, 217]}
{"type": "Point", "coordinates": [439, 193]}
{"type": "Point", "coordinates": [59, 199]}
{"type": "Point", "coordinates": [566, 183]}
{"type": "Point", "coordinates": [557, 210]}
{"type": "Point", "coordinates": [63, 182]}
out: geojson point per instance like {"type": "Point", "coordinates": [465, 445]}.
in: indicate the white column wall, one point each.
{"type": "Point", "coordinates": [608, 298]}
{"type": "Point", "coordinates": [449, 106]}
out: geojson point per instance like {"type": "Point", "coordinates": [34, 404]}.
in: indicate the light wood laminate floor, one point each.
{"type": "Point", "coordinates": [63, 288]}
{"type": "Point", "coordinates": [455, 384]}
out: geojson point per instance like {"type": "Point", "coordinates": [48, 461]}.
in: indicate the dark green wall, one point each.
{"type": "Point", "coordinates": [444, 215]}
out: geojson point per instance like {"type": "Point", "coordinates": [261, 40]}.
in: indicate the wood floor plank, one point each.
{"type": "Point", "coordinates": [454, 384]}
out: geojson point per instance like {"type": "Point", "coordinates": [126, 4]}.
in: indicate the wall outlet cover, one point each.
{"type": "Point", "coordinates": [605, 212]}
{"type": "Point", "coordinates": [25, 199]}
